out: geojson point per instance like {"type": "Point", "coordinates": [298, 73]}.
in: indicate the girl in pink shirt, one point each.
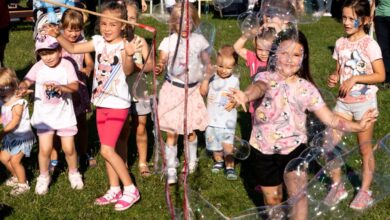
{"type": "Point", "coordinates": [279, 131]}
{"type": "Point", "coordinates": [359, 67]}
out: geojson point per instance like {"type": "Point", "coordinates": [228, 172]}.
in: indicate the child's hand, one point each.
{"type": "Point", "coordinates": [237, 97]}
{"type": "Point", "coordinates": [51, 30]}
{"type": "Point", "coordinates": [346, 86]}
{"type": "Point", "coordinates": [209, 71]}
{"type": "Point", "coordinates": [159, 68]}
{"type": "Point", "coordinates": [252, 33]}
{"type": "Point", "coordinates": [22, 91]}
{"type": "Point", "coordinates": [133, 46]}
{"type": "Point", "coordinates": [333, 79]}
{"type": "Point", "coordinates": [368, 119]}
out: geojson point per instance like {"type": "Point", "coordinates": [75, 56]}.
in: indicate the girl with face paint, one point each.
{"type": "Point", "coordinates": [279, 134]}
{"type": "Point", "coordinates": [359, 67]}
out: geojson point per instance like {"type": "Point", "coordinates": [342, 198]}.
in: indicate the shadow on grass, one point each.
{"type": "Point", "coordinates": [5, 211]}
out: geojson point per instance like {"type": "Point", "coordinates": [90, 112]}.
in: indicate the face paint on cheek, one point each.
{"type": "Point", "coordinates": [356, 23]}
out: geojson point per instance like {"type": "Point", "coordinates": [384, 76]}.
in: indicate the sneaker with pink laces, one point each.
{"type": "Point", "coordinates": [336, 194]}
{"type": "Point", "coordinates": [108, 198]}
{"type": "Point", "coordinates": [362, 200]}
{"type": "Point", "coordinates": [42, 186]}
{"type": "Point", "coordinates": [127, 200]}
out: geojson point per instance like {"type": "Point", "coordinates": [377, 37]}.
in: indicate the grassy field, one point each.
{"type": "Point", "coordinates": [230, 198]}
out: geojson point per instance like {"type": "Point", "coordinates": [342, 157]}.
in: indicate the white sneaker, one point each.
{"type": "Point", "coordinates": [172, 176]}
{"type": "Point", "coordinates": [76, 180]}
{"type": "Point", "coordinates": [12, 181]}
{"type": "Point", "coordinates": [42, 186]}
{"type": "Point", "coordinates": [20, 189]}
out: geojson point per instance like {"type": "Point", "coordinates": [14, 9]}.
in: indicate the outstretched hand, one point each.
{"type": "Point", "coordinates": [236, 98]}
{"type": "Point", "coordinates": [23, 91]}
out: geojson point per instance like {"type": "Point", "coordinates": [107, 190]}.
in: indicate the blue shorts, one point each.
{"type": "Point", "coordinates": [356, 110]}
{"type": "Point", "coordinates": [216, 136]}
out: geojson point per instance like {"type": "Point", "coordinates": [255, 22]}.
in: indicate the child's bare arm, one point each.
{"type": "Point", "coordinates": [334, 78]}
{"type": "Point", "coordinates": [377, 76]}
{"type": "Point", "coordinates": [23, 88]}
{"type": "Point", "coordinates": [162, 62]}
{"type": "Point", "coordinates": [335, 121]}
{"type": "Point", "coordinates": [17, 112]}
{"type": "Point", "coordinates": [204, 86]}
{"type": "Point", "coordinates": [148, 65]}
{"type": "Point", "coordinates": [69, 88]}
{"type": "Point", "coordinates": [89, 63]}
{"type": "Point", "coordinates": [239, 46]}
{"type": "Point", "coordinates": [77, 48]}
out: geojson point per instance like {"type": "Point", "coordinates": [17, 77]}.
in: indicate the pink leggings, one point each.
{"type": "Point", "coordinates": [109, 124]}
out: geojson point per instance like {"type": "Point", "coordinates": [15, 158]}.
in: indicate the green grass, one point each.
{"type": "Point", "coordinates": [230, 198]}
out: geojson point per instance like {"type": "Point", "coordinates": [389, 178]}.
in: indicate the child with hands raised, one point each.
{"type": "Point", "coordinates": [113, 62]}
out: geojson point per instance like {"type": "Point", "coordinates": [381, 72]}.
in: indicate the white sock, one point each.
{"type": "Point", "coordinates": [129, 188]}
{"type": "Point", "coordinates": [193, 148]}
{"type": "Point", "coordinates": [115, 189]}
{"type": "Point", "coordinates": [171, 156]}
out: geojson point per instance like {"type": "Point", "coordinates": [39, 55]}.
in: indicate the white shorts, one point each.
{"type": "Point", "coordinates": [356, 110]}
{"type": "Point", "coordinates": [216, 136]}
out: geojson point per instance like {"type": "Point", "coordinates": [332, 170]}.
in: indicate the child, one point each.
{"type": "Point", "coordinates": [110, 95]}
{"type": "Point", "coordinates": [72, 24]}
{"type": "Point", "coordinates": [171, 110]}
{"type": "Point", "coordinates": [222, 123]}
{"type": "Point", "coordinates": [279, 131]}
{"type": "Point", "coordinates": [140, 108]}
{"type": "Point", "coordinates": [55, 80]}
{"type": "Point", "coordinates": [359, 66]}
{"type": "Point", "coordinates": [256, 61]}
{"type": "Point", "coordinates": [17, 136]}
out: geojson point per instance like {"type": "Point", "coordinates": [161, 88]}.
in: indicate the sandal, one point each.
{"type": "Point", "coordinates": [144, 170]}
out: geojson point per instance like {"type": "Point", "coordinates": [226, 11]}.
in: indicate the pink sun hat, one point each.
{"type": "Point", "coordinates": [45, 42]}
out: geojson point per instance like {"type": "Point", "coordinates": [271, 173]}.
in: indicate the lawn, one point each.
{"type": "Point", "coordinates": [230, 198]}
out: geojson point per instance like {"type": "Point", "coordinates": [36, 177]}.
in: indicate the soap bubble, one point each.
{"type": "Point", "coordinates": [161, 14]}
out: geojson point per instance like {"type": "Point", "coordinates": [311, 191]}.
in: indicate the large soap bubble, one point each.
{"type": "Point", "coordinates": [249, 23]}
{"type": "Point", "coordinates": [160, 13]}
{"type": "Point", "coordinates": [240, 148]}
{"type": "Point", "coordinates": [309, 11]}
{"type": "Point", "coordinates": [221, 4]}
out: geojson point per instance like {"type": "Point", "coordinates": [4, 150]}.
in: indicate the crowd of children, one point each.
{"type": "Point", "coordinates": [281, 93]}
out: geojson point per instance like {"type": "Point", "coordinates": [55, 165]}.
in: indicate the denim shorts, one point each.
{"type": "Point", "coordinates": [216, 136]}
{"type": "Point", "coordinates": [356, 110]}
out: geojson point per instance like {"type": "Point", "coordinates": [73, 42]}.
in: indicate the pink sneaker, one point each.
{"type": "Point", "coordinates": [336, 194]}
{"type": "Point", "coordinates": [127, 200]}
{"type": "Point", "coordinates": [108, 198]}
{"type": "Point", "coordinates": [362, 200]}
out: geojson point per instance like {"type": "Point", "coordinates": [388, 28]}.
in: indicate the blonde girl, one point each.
{"type": "Point", "coordinates": [17, 136]}
{"type": "Point", "coordinates": [172, 96]}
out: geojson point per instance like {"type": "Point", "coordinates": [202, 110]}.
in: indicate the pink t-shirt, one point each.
{"type": "Point", "coordinates": [355, 58]}
{"type": "Point", "coordinates": [279, 122]}
{"type": "Point", "coordinates": [52, 110]}
{"type": "Point", "coordinates": [255, 65]}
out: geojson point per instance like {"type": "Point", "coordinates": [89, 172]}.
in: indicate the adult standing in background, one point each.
{"type": "Point", "coordinates": [4, 28]}
{"type": "Point", "coordinates": [381, 9]}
